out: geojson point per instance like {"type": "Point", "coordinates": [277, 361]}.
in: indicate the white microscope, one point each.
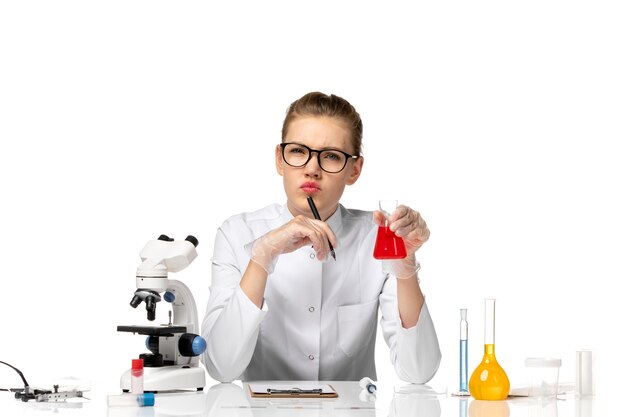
{"type": "Point", "coordinates": [173, 363]}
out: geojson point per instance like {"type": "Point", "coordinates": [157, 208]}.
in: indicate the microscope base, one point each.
{"type": "Point", "coordinates": [168, 378]}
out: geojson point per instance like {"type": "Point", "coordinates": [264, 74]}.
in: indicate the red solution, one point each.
{"type": "Point", "coordinates": [388, 245]}
{"type": "Point", "coordinates": [136, 376]}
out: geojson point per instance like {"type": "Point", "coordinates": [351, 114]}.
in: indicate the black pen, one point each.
{"type": "Point", "coordinates": [317, 216]}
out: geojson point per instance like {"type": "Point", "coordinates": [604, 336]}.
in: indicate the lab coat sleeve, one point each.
{"type": "Point", "coordinates": [231, 323]}
{"type": "Point", "coordinates": [414, 352]}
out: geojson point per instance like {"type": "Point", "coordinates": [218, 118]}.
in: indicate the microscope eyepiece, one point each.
{"type": "Point", "coordinates": [193, 240]}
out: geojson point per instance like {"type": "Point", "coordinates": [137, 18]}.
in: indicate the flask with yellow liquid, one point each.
{"type": "Point", "coordinates": [489, 381]}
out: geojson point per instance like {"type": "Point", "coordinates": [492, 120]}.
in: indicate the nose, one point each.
{"type": "Point", "coordinates": [312, 168]}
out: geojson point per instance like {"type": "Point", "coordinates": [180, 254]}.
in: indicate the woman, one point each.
{"type": "Point", "coordinates": [280, 307]}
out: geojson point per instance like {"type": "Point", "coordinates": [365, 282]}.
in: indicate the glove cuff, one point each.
{"type": "Point", "coordinates": [262, 254]}
{"type": "Point", "coordinates": [403, 268]}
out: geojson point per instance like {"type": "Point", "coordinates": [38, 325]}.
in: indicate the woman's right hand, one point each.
{"type": "Point", "coordinates": [298, 232]}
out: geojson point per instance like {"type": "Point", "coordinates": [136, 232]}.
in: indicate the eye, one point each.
{"type": "Point", "coordinates": [332, 156]}
{"type": "Point", "coordinates": [297, 150]}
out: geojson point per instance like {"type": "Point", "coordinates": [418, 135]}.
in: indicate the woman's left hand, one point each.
{"type": "Point", "coordinates": [407, 224]}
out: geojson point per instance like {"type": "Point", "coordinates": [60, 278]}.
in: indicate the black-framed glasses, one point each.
{"type": "Point", "coordinates": [330, 160]}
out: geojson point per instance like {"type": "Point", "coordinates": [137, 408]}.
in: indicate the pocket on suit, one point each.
{"type": "Point", "coordinates": [355, 322]}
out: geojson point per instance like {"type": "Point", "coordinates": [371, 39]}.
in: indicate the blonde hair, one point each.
{"type": "Point", "coordinates": [320, 104]}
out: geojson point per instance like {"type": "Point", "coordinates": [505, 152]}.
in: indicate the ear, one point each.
{"type": "Point", "coordinates": [279, 160]}
{"type": "Point", "coordinates": [355, 172]}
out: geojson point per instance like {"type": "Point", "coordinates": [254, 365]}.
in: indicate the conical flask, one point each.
{"type": "Point", "coordinates": [388, 245]}
{"type": "Point", "coordinates": [489, 381]}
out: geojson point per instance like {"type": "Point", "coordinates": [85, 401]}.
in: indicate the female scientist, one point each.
{"type": "Point", "coordinates": [280, 307]}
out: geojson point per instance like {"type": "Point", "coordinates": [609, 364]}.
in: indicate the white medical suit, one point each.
{"type": "Point", "coordinates": [318, 321]}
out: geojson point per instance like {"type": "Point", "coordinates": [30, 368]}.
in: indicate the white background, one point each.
{"type": "Point", "coordinates": [500, 122]}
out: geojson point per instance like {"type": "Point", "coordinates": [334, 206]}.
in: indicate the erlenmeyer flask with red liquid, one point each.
{"type": "Point", "coordinates": [388, 245]}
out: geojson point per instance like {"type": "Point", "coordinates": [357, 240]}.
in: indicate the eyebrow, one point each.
{"type": "Point", "coordinates": [323, 149]}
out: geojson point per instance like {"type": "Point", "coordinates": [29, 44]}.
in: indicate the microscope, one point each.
{"type": "Point", "coordinates": [173, 361]}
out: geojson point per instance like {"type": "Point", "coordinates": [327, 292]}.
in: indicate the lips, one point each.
{"type": "Point", "coordinates": [310, 187]}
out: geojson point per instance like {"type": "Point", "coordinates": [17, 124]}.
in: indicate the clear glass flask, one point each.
{"type": "Point", "coordinates": [388, 245]}
{"type": "Point", "coordinates": [463, 352]}
{"type": "Point", "coordinates": [489, 381]}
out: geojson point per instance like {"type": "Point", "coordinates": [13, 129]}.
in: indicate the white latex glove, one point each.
{"type": "Point", "coordinates": [300, 231]}
{"type": "Point", "coordinates": [409, 225]}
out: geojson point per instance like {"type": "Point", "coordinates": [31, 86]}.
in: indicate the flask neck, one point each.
{"type": "Point", "coordinates": [490, 349]}
{"type": "Point", "coordinates": [490, 321]}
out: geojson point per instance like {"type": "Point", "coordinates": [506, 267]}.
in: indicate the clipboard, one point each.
{"type": "Point", "coordinates": [292, 391]}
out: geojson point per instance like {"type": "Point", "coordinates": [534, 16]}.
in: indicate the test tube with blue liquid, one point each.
{"type": "Point", "coordinates": [463, 388]}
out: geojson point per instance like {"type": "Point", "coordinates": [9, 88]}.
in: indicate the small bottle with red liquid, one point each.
{"type": "Point", "coordinates": [136, 376]}
{"type": "Point", "coordinates": [388, 245]}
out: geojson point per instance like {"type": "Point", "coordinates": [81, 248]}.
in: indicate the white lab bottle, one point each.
{"type": "Point", "coordinates": [136, 377]}
{"type": "Point", "coordinates": [131, 400]}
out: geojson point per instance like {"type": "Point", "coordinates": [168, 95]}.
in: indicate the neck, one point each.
{"type": "Point", "coordinates": [306, 211]}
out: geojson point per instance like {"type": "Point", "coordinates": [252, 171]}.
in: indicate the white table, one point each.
{"type": "Point", "coordinates": [233, 400]}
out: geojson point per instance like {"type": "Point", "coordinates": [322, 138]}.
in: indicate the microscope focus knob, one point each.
{"type": "Point", "coordinates": [152, 344]}
{"type": "Point", "coordinates": [169, 297]}
{"type": "Point", "coordinates": [191, 344]}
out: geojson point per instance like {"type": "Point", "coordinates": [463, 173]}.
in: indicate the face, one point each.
{"type": "Point", "coordinates": [300, 182]}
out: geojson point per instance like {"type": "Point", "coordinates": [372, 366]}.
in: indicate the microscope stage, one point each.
{"type": "Point", "coordinates": [153, 330]}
